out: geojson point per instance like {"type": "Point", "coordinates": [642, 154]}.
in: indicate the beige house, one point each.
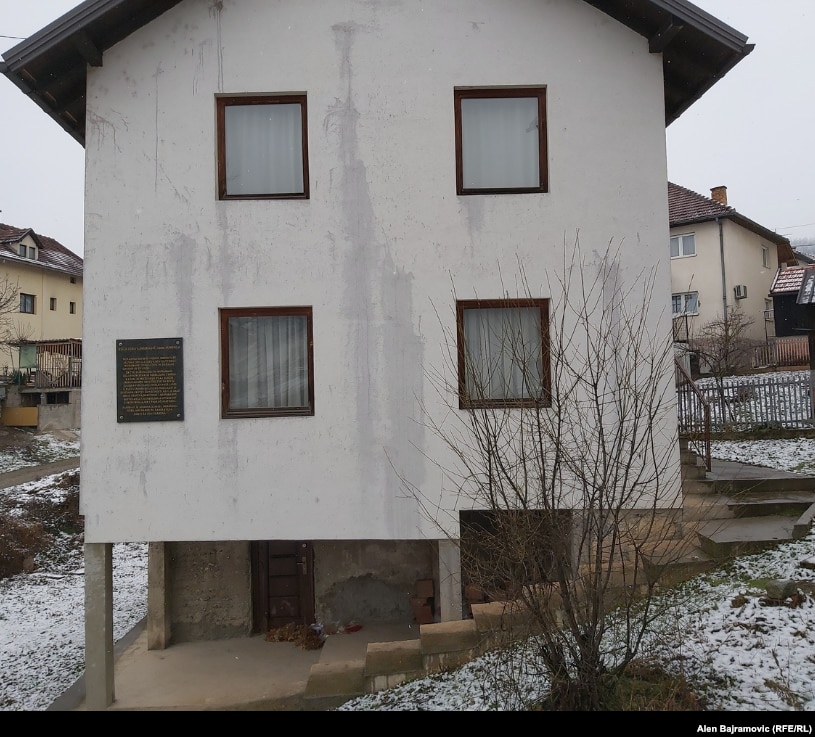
{"type": "Point", "coordinates": [721, 261]}
{"type": "Point", "coordinates": [40, 330]}
{"type": "Point", "coordinates": [43, 282]}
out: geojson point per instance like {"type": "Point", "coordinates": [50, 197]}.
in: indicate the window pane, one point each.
{"type": "Point", "coordinates": [689, 245]}
{"type": "Point", "coordinates": [676, 301]}
{"type": "Point", "coordinates": [674, 246]}
{"type": "Point", "coordinates": [264, 149]}
{"type": "Point", "coordinates": [504, 353]}
{"type": "Point", "coordinates": [268, 362]}
{"type": "Point", "coordinates": [499, 142]}
{"type": "Point", "coordinates": [691, 302]}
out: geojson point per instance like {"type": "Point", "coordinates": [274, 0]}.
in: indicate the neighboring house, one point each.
{"type": "Point", "coordinates": [40, 329]}
{"type": "Point", "coordinates": [791, 292]}
{"type": "Point", "coordinates": [721, 261]}
{"type": "Point", "coordinates": [803, 257]}
{"type": "Point", "coordinates": [283, 193]}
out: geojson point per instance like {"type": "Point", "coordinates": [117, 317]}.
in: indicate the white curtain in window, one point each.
{"type": "Point", "coordinates": [499, 142]}
{"type": "Point", "coordinates": [268, 362]}
{"type": "Point", "coordinates": [264, 149]}
{"type": "Point", "coordinates": [503, 353]}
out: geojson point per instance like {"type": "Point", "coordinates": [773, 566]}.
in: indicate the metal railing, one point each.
{"type": "Point", "coordinates": [693, 412]}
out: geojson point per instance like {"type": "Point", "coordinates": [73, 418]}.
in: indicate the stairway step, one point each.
{"type": "Point", "coordinates": [726, 538]}
{"type": "Point", "coordinates": [781, 504]}
{"type": "Point", "coordinates": [776, 485]}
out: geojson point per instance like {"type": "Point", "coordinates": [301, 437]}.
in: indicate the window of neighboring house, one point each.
{"type": "Point", "coordinates": [262, 147]}
{"type": "Point", "coordinates": [73, 280]}
{"type": "Point", "coordinates": [683, 245]}
{"type": "Point", "coordinates": [72, 307]}
{"type": "Point", "coordinates": [27, 303]}
{"type": "Point", "coordinates": [765, 257]}
{"type": "Point", "coordinates": [501, 140]}
{"type": "Point", "coordinates": [685, 304]}
{"type": "Point", "coordinates": [503, 352]}
{"type": "Point", "coordinates": [768, 309]}
{"type": "Point", "coordinates": [53, 303]}
{"type": "Point", "coordinates": [267, 362]}
{"type": "Point", "coordinates": [32, 253]}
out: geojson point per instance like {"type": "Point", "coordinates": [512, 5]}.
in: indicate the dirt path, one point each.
{"type": "Point", "coordinates": [35, 473]}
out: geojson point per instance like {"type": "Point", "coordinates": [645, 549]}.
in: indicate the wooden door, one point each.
{"type": "Point", "coordinates": [283, 583]}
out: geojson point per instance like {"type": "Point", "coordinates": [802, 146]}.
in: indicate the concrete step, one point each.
{"type": "Point", "coordinates": [693, 472]}
{"type": "Point", "coordinates": [723, 539]}
{"type": "Point", "coordinates": [735, 486]}
{"type": "Point", "coordinates": [788, 504]}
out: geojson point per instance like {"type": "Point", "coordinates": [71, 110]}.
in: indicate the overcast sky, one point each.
{"type": "Point", "coordinates": [753, 131]}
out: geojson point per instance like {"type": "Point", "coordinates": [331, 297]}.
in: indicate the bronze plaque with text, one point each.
{"type": "Point", "coordinates": [149, 380]}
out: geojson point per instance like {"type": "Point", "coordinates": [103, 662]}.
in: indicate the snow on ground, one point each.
{"type": "Point", "coordinates": [42, 627]}
{"type": "Point", "coordinates": [791, 454]}
{"type": "Point", "coordinates": [741, 654]}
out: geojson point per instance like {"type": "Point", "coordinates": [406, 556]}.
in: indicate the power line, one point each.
{"type": "Point", "coordinates": [789, 227]}
{"type": "Point", "coordinates": [16, 38]}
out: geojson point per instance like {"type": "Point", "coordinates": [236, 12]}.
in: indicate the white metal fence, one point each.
{"type": "Point", "coordinates": [761, 401]}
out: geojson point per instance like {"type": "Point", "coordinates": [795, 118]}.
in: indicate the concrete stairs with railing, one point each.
{"type": "Point", "coordinates": [728, 511]}
{"type": "Point", "coordinates": [736, 508]}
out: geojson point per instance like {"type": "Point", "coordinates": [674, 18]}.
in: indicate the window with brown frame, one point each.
{"type": "Point", "coordinates": [267, 361]}
{"type": "Point", "coordinates": [501, 140]}
{"type": "Point", "coordinates": [503, 353]}
{"type": "Point", "coordinates": [262, 147]}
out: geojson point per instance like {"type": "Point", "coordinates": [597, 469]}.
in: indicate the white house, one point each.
{"type": "Point", "coordinates": [288, 193]}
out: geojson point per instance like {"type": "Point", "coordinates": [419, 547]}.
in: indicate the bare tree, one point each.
{"type": "Point", "coordinates": [565, 457]}
{"type": "Point", "coordinates": [722, 343]}
{"type": "Point", "coordinates": [724, 349]}
{"type": "Point", "coordinates": [12, 332]}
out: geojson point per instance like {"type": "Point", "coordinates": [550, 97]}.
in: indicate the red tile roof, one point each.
{"type": "Point", "coordinates": [51, 253]}
{"type": "Point", "coordinates": [686, 206]}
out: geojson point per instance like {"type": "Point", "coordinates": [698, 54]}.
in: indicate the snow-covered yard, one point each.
{"type": "Point", "coordinates": [740, 654]}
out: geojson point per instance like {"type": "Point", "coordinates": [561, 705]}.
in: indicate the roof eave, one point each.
{"type": "Point", "coordinates": [739, 219]}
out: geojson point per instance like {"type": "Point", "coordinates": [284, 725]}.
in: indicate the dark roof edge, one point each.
{"type": "Point", "coordinates": [65, 125]}
{"type": "Point", "coordinates": [59, 30]}
{"type": "Point", "coordinates": [740, 219]}
{"type": "Point", "coordinates": [714, 28]}
{"type": "Point", "coordinates": [707, 22]}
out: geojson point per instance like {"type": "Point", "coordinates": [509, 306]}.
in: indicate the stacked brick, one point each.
{"type": "Point", "coordinates": [423, 603]}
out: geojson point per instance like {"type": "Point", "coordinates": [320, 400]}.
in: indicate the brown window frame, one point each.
{"type": "Point", "coordinates": [461, 93]}
{"type": "Point", "coordinates": [224, 101]}
{"type": "Point", "coordinates": [225, 313]}
{"type": "Point", "coordinates": [465, 402]}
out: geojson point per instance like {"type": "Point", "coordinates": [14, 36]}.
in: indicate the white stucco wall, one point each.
{"type": "Point", "coordinates": [375, 251]}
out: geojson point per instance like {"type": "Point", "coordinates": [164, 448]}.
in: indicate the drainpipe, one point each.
{"type": "Point", "coordinates": [721, 256]}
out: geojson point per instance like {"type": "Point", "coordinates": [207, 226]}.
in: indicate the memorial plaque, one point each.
{"type": "Point", "coordinates": [149, 380]}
